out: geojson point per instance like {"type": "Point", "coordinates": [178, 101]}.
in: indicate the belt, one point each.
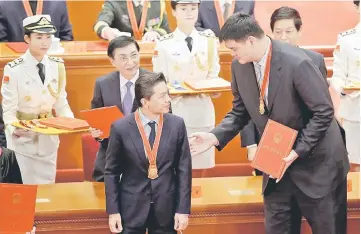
{"type": "Point", "coordinates": [30, 116]}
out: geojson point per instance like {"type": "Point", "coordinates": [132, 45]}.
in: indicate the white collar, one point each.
{"type": "Point", "coordinates": [123, 81]}
{"type": "Point", "coordinates": [32, 61]}
{"type": "Point", "coordinates": [179, 35]}
{"type": "Point", "coordinates": [145, 120]}
{"type": "Point", "coordinates": [137, 2]}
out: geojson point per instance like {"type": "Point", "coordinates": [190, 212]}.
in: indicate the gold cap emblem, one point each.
{"type": "Point", "coordinates": [43, 21]}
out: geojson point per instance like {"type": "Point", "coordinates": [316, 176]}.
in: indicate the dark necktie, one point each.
{"type": "Point", "coordinates": [41, 72]}
{"type": "Point", "coordinates": [152, 133]}
{"type": "Point", "coordinates": [33, 5]}
{"type": "Point", "coordinates": [128, 100]}
{"type": "Point", "coordinates": [189, 41]}
{"type": "Point", "coordinates": [226, 9]}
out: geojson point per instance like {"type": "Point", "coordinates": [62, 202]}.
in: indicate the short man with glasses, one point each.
{"type": "Point", "coordinates": [116, 88]}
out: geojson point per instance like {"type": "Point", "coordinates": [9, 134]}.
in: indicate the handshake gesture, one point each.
{"type": "Point", "coordinates": [200, 142]}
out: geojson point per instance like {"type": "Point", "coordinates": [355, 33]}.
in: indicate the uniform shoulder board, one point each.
{"type": "Point", "coordinates": [166, 37]}
{"type": "Point", "coordinates": [207, 33]}
{"type": "Point", "coordinates": [348, 32]}
{"type": "Point", "coordinates": [56, 59]}
{"type": "Point", "coordinates": [16, 62]}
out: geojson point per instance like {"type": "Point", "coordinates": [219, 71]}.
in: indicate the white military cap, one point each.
{"type": "Point", "coordinates": [39, 24]}
{"type": "Point", "coordinates": [186, 1]}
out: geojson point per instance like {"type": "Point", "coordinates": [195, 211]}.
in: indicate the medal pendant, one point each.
{"type": "Point", "coordinates": [261, 107]}
{"type": "Point", "coordinates": [152, 172]}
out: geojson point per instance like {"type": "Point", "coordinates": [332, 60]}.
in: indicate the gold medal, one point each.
{"type": "Point", "coordinates": [27, 98]}
{"type": "Point", "coordinates": [152, 172]}
{"type": "Point", "coordinates": [261, 107]}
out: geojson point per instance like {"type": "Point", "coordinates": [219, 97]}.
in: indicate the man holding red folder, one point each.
{"type": "Point", "coordinates": [274, 80]}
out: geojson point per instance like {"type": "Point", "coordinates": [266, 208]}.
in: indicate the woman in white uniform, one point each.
{"type": "Point", "coordinates": [346, 71]}
{"type": "Point", "coordinates": [188, 54]}
{"type": "Point", "coordinates": [33, 86]}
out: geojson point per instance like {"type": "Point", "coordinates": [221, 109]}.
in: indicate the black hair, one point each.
{"type": "Point", "coordinates": [286, 13]}
{"type": "Point", "coordinates": [121, 42]}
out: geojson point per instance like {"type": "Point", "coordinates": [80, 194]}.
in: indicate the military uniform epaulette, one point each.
{"type": "Point", "coordinates": [166, 37]}
{"type": "Point", "coordinates": [16, 62]}
{"type": "Point", "coordinates": [348, 32]}
{"type": "Point", "coordinates": [56, 59]}
{"type": "Point", "coordinates": [207, 33]}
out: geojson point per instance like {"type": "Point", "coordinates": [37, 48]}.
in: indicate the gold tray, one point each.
{"type": "Point", "coordinates": [184, 89]}
{"type": "Point", "coordinates": [48, 130]}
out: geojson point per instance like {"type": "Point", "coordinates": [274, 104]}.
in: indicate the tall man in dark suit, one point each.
{"type": "Point", "coordinates": [213, 13]}
{"type": "Point", "coordinates": [296, 96]}
{"type": "Point", "coordinates": [150, 150]}
{"type": "Point", "coordinates": [2, 129]}
{"type": "Point", "coordinates": [12, 14]}
{"type": "Point", "coordinates": [116, 89]}
{"type": "Point", "coordinates": [286, 25]}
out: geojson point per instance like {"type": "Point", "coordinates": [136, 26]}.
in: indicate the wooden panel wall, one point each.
{"type": "Point", "coordinates": [327, 17]}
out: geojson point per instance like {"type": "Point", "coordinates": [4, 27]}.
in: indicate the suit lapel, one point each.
{"type": "Point", "coordinates": [213, 12]}
{"type": "Point", "coordinates": [114, 90]}
{"type": "Point", "coordinates": [138, 143]}
{"type": "Point", "coordinates": [164, 139]}
{"type": "Point", "coordinates": [251, 99]}
{"type": "Point", "coordinates": [275, 75]}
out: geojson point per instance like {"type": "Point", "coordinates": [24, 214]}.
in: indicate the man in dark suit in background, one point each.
{"type": "Point", "coordinates": [12, 14]}
{"type": "Point", "coordinates": [2, 129]}
{"type": "Point", "coordinates": [116, 89]}
{"type": "Point", "coordinates": [286, 25]}
{"type": "Point", "coordinates": [297, 96]}
{"type": "Point", "coordinates": [213, 13]}
{"type": "Point", "coordinates": [150, 150]}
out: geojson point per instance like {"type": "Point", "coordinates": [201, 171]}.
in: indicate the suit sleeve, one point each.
{"type": "Point", "coordinates": [314, 93]}
{"type": "Point", "coordinates": [9, 92]}
{"type": "Point", "coordinates": [2, 129]}
{"type": "Point", "coordinates": [114, 167]}
{"type": "Point", "coordinates": [234, 121]}
{"type": "Point", "coordinates": [105, 17]}
{"type": "Point", "coordinates": [66, 31]}
{"type": "Point", "coordinates": [248, 135]}
{"type": "Point", "coordinates": [61, 105]}
{"type": "Point", "coordinates": [3, 26]}
{"type": "Point", "coordinates": [97, 100]}
{"type": "Point", "coordinates": [322, 67]}
{"type": "Point", "coordinates": [183, 172]}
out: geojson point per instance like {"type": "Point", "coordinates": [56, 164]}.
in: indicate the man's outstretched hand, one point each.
{"type": "Point", "coordinates": [200, 142]}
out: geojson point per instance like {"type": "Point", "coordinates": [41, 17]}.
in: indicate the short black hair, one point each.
{"type": "Point", "coordinates": [286, 13]}
{"type": "Point", "coordinates": [239, 26]}
{"type": "Point", "coordinates": [356, 2]}
{"type": "Point", "coordinates": [145, 84]}
{"type": "Point", "coordinates": [121, 42]}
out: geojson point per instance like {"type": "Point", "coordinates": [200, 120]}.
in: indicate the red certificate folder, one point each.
{"type": "Point", "coordinates": [102, 118]}
{"type": "Point", "coordinates": [276, 143]}
{"type": "Point", "coordinates": [17, 208]}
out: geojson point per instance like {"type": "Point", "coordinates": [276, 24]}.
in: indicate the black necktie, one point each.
{"type": "Point", "coordinates": [152, 133]}
{"type": "Point", "coordinates": [33, 5]}
{"type": "Point", "coordinates": [189, 43]}
{"type": "Point", "coordinates": [41, 71]}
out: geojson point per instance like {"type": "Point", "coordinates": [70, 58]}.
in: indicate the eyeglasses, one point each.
{"type": "Point", "coordinates": [133, 57]}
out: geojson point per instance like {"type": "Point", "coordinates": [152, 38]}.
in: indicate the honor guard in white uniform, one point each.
{"type": "Point", "coordinates": [32, 87]}
{"type": "Point", "coordinates": [188, 54]}
{"type": "Point", "coordinates": [346, 71]}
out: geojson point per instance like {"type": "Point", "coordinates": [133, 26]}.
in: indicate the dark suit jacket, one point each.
{"type": "Point", "coordinates": [2, 129]}
{"type": "Point", "coordinates": [107, 93]}
{"type": "Point", "coordinates": [132, 196]}
{"type": "Point", "coordinates": [9, 168]}
{"type": "Point", "coordinates": [298, 98]}
{"type": "Point", "coordinates": [207, 16]}
{"type": "Point", "coordinates": [115, 14]}
{"type": "Point", "coordinates": [249, 134]}
{"type": "Point", "coordinates": [12, 14]}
